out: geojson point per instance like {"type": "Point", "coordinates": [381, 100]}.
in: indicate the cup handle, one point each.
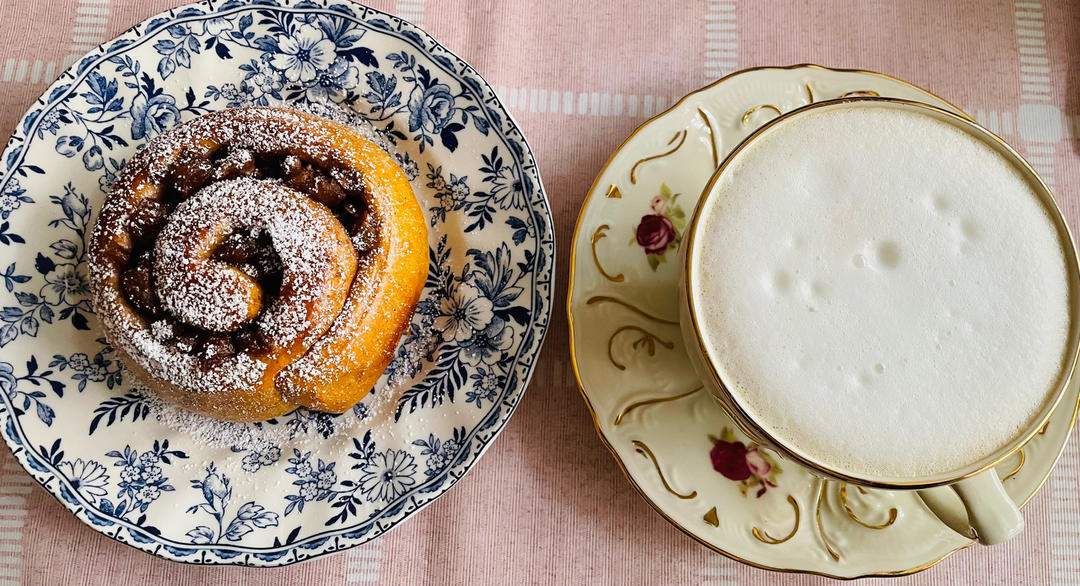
{"type": "Point", "coordinates": [976, 507]}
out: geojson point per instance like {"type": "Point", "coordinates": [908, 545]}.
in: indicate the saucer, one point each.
{"type": "Point", "coordinates": [311, 485]}
{"type": "Point", "coordinates": [678, 448]}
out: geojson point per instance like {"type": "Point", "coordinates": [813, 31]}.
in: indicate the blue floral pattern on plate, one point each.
{"type": "Point", "coordinates": [68, 409]}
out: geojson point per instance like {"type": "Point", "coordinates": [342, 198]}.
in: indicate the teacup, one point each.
{"type": "Point", "coordinates": [957, 160]}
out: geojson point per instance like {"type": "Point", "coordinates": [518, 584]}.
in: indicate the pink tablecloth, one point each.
{"type": "Point", "coordinates": [547, 504]}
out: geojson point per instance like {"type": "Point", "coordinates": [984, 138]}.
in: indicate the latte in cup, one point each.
{"type": "Point", "coordinates": [882, 291]}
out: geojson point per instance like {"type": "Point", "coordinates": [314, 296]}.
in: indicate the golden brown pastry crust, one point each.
{"type": "Point", "coordinates": [330, 361]}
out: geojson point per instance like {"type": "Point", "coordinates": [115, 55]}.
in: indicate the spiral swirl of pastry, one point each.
{"type": "Point", "coordinates": [255, 260]}
{"type": "Point", "coordinates": [318, 260]}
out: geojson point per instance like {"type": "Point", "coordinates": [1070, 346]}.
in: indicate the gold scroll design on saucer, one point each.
{"type": "Point", "coordinates": [644, 450]}
{"type": "Point", "coordinates": [1019, 465]}
{"type": "Point", "coordinates": [598, 235]}
{"type": "Point", "coordinates": [893, 513]}
{"type": "Point", "coordinates": [764, 537]}
{"type": "Point", "coordinates": [1022, 455]}
{"type": "Point", "coordinates": [746, 115]}
{"type": "Point", "coordinates": [712, 138]}
{"type": "Point", "coordinates": [820, 495]}
{"type": "Point", "coordinates": [648, 340]}
{"type": "Point", "coordinates": [820, 498]}
{"type": "Point", "coordinates": [679, 137]}
{"type": "Point", "coordinates": [609, 299]}
{"type": "Point", "coordinates": [654, 401]}
{"type": "Point", "coordinates": [810, 100]}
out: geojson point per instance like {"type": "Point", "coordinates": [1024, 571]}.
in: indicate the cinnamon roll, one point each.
{"type": "Point", "coordinates": [255, 260]}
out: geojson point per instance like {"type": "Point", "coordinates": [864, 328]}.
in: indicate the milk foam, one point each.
{"type": "Point", "coordinates": [882, 290]}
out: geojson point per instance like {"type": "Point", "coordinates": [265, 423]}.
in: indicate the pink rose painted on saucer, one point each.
{"type": "Point", "coordinates": [655, 234]}
{"type": "Point", "coordinates": [746, 463]}
{"type": "Point", "coordinates": [661, 231]}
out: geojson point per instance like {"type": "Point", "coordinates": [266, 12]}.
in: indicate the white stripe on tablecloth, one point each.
{"type": "Point", "coordinates": [581, 103]}
{"type": "Point", "coordinates": [89, 31]}
{"type": "Point", "coordinates": [411, 10]}
{"type": "Point", "coordinates": [15, 484]}
{"type": "Point", "coordinates": [1032, 40]}
{"type": "Point", "coordinates": [24, 70]}
{"type": "Point", "coordinates": [720, 571]}
{"type": "Point", "coordinates": [1065, 514]}
{"type": "Point", "coordinates": [1072, 127]}
{"type": "Point", "coordinates": [1000, 123]}
{"type": "Point", "coordinates": [1040, 125]}
{"type": "Point", "coordinates": [721, 39]}
{"type": "Point", "coordinates": [362, 563]}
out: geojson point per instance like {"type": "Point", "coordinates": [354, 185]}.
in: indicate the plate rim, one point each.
{"type": "Point", "coordinates": [577, 234]}
{"type": "Point", "coordinates": [538, 207]}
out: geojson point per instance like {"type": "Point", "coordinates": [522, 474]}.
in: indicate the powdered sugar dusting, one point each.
{"type": "Point", "coordinates": [350, 118]}
{"type": "Point", "coordinates": [301, 429]}
{"type": "Point", "coordinates": [173, 362]}
{"type": "Point", "coordinates": [244, 436]}
{"type": "Point", "coordinates": [302, 233]}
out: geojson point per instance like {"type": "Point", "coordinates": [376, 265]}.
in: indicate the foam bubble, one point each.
{"type": "Point", "coordinates": [922, 319]}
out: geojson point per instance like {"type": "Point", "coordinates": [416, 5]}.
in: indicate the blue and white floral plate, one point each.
{"type": "Point", "coordinates": [69, 412]}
